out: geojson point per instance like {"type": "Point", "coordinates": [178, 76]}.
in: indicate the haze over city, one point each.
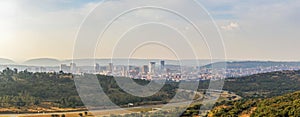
{"type": "Point", "coordinates": [149, 58]}
{"type": "Point", "coordinates": [252, 30]}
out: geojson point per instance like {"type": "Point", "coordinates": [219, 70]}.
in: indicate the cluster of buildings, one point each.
{"type": "Point", "coordinates": [238, 72]}
{"type": "Point", "coordinates": [149, 71]}
{"type": "Point", "coordinates": [71, 69]}
{"type": "Point", "coordinates": [161, 71]}
{"type": "Point", "coordinates": [155, 70]}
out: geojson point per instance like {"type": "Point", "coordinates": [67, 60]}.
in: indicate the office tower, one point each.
{"type": "Point", "coordinates": [152, 68]}
{"type": "Point", "coordinates": [64, 68]}
{"type": "Point", "coordinates": [145, 69]}
{"type": "Point", "coordinates": [130, 68]}
{"type": "Point", "coordinates": [73, 67]}
{"type": "Point", "coordinates": [162, 65]}
{"type": "Point", "coordinates": [110, 67]}
{"type": "Point", "coordinates": [103, 68]}
{"type": "Point", "coordinates": [97, 67]}
{"type": "Point", "coordinates": [124, 71]}
{"type": "Point", "coordinates": [137, 69]}
{"type": "Point", "coordinates": [42, 69]}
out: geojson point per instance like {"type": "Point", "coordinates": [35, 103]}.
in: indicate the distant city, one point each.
{"type": "Point", "coordinates": [164, 69]}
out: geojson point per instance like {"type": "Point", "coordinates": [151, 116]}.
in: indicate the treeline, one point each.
{"type": "Point", "coordinates": [259, 94]}
{"type": "Point", "coordinates": [25, 89]}
{"type": "Point", "coordinates": [120, 97]}
{"type": "Point", "coordinates": [282, 106]}
{"type": "Point", "coordinates": [264, 85]}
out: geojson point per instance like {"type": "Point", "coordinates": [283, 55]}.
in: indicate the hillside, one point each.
{"type": "Point", "coordinates": [42, 62]}
{"type": "Point", "coordinates": [252, 64]}
{"type": "Point", "coordinates": [6, 61]}
{"type": "Point", "coordinates": [26, 91]}
{"type": "Point", "coordinates": [282, 106]}
{"type": "Point", "coordinates": [104, 62]}
{"type": "Point", "coordinates": [261, 85]}
{"type": "Point", "coordinates": [259, 92]}
{"type": "Point", "coordinates": [265, 84]}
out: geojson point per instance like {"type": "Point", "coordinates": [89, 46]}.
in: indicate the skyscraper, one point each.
{"type": "Point", "coordinates": [124, 71]}
{"type": "Point", "coordinates": [64, 68]}
{"type": "Point", "coordinates": [162, 65]}
{"type": "Point", "coordinates": [110, 67]}
{"type": "Point", "coordinates": [145, 69]}
{"type": "Point", "coordinates": [97, 67]}
{"type": "Point", "coordinates": [151, 67]}
{"type": "Point", "coordinates": [73, 67]}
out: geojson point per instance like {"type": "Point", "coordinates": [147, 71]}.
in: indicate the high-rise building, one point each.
{"type": "Point", "coordinates": [152, 68]}
{"type": "Point", "coordinates": [73, 67]}
{"type": "Point", "coordinates": [124, 71]}
{"type": "Point", "coordinates": [137, 69]}
{"type": "Point", "coordinates": [110, 67]}
{"type": "Point", "coordinates": [145, 69]}
{"type": "Point", "coordinates": [97, 67]}
{"type": "Point", "coordinates": [103, 68]}
{"type": "Point", "coordinates": [64, 68]}
{"type": "Point", "coordinates": [130, 67]}
{"type": "Point", "coordinates": [162, 65]}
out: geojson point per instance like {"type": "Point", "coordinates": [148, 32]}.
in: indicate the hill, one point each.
{"type": "Point", "coordinates": [264, 85]}
{"type": "Point", "coordinates": [6, 61]}
{"type": "Point", "coordinates": [282, 106]}
{"type": "Point", "coordinates": [42, 62]}
{"type": "Point", "coordinates": [26, 91]}
{"type": "Point", "coordinates": [266, 94]}
{"type": "Point", "coordinates": [252, 64]}
{"type": "Point", "coordinates": [104, 62]}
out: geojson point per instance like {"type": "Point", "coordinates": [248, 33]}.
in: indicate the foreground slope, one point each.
{"type": "Point", "coordinates": [281, 106]}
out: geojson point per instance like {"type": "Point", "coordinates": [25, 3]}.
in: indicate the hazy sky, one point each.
{"type": "Point", "coordinates": [253, 29]}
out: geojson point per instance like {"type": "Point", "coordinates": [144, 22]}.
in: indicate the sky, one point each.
{"type": "Point", "coordinates": [251, 30]}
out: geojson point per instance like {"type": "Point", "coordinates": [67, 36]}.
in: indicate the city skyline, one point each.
{"type": "Point", "coordinates": [184, 58]}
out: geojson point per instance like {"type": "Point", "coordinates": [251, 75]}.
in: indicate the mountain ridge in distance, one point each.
{"type": "Point", "coordinates": [139, 62]}
{"type": "Point", "coordinates": [105, 61]}
{"type": "Point", "coordinates": [42, 62]}
{"type": "Point", "coordinates": [5, 61]}
{"type": "Point", "coordinates": [252, 64]}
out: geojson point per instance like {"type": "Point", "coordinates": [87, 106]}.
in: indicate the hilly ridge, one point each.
{"type": "Point", "coordinates": [274, 94]}
{"type": "Point", "coordinates": [252, 64]}
{"type": "Point", "coordinates": [281, 106]}
{"type": "Point", "coordinates": [264, 85]}
{"type": "Point", "coordinates": [43, 62]}
{"type": "Point", "coordinates": [4, 61]}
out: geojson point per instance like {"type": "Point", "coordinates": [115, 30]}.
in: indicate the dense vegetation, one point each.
{"type": "Point", "coordinates": [287, 105]}
{"type": "Point", "coordinates": [114, 92]}
{"type": "Point", "coordinates": [259, 94]}
{"type": "Point", "coordinates": [22, 89]}
{"type": "Point", "coordinates": [282, 106]}
{"type": "Point", "coordinates": [19, 89]}
{"type": "Point", "coordinates": [264, 85]}
{"type": "Point", "coordinates": [26, 89]}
